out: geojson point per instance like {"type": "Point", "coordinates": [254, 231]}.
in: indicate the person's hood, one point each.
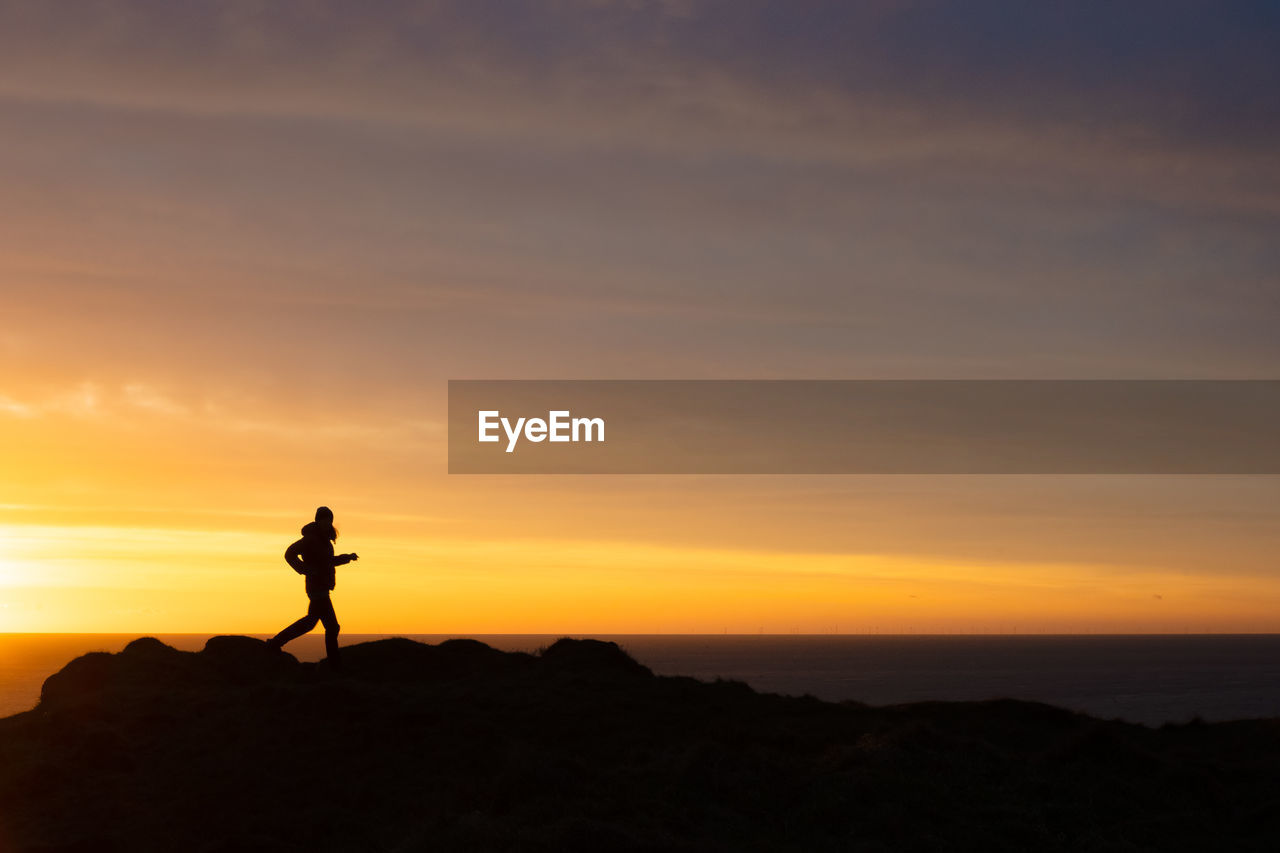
{"type": "Point", "coordinates": [318, 530]}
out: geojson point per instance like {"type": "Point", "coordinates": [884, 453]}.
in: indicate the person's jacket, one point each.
{"type": "Point", "coordinates": [312, 555]}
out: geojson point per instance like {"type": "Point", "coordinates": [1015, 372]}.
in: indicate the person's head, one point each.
{"type": "Point", "coordinates": [324, 515]}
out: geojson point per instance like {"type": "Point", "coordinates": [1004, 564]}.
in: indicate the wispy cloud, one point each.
{"type": "Point", "coordinates": [10, 406]}
{"type": "Point", "coordinates": [137, 405]}
{"type": "Point", "coordinates": [853, 84]}
{"type": "Point", "coordinates": [655, 188]}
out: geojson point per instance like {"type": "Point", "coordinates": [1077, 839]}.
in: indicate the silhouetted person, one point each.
{"type": "Point", "coordinates": [313, 556]}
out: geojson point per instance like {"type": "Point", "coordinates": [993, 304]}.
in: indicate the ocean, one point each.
{"type": "Point", "coordinates": [1151, 679]}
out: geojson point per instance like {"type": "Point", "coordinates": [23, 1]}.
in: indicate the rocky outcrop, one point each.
{"type": "Point", "coordinates": [458, 746]}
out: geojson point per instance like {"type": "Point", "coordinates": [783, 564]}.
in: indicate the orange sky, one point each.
{"type": "Point", "coordinates": [162, 521]}
{"type": "Point", "coordinates": [242, 253]}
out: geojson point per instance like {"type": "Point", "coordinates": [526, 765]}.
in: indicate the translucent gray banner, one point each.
{"type": "Point", "coordinates": [864, 427]}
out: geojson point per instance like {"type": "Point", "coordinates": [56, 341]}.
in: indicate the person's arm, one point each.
{"type": "Point", "coordinates": [343, 559]}
{"type": "Point", "coordinates": [293, 556]}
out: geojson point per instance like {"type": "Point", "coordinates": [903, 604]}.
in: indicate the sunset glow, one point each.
{"type": "Point", "coordinates": [240, 262]}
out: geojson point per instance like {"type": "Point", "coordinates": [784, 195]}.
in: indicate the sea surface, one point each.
{"type": "Point", "coordinates": [1149, 679]}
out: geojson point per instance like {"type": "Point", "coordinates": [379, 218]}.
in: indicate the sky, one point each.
{"type": "Point", "coordinates": [246, 244]}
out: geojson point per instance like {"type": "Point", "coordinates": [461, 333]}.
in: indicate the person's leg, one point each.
{"type": "Point", "coordinates": [297, 629]}
{"type": "Point", "coordinates": [324, 611]}
{"type": "Point", "coordinates": [306, 623]}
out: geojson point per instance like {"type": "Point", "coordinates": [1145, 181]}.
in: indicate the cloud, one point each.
{"type": "Point", "coordinates": [137, 405]}
{"type": "Point", "coordinates": [16, 408]}
{"type": "Point", "coordinates": [707, 188]}
{"type": "Point", "coordinates": [146, 398]}
{"type": "Point", "coordinates": [85, 401]}
{"type": "Point", "coordinates": [829, 79]}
